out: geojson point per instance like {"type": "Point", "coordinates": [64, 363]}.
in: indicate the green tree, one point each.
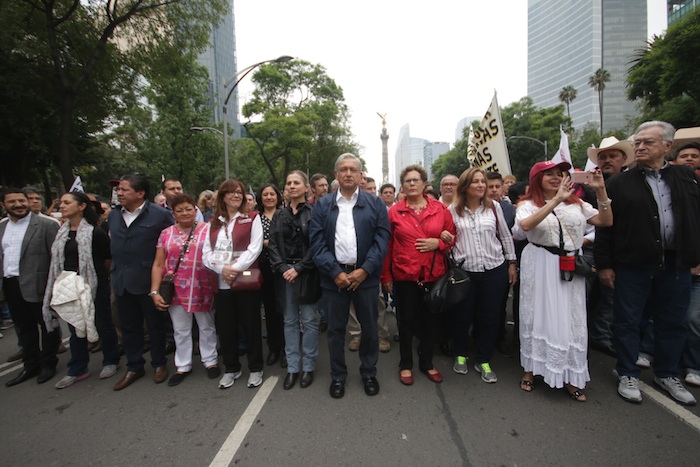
{"type": "Point", "coordinates": [664, 75]}
{"type": "Point", "coordinates": [77, 72]}
{"type": "Point", "coordinates": [567, 95]}
{"type": "Point", "coordinates": [297, 114]}
{"type": "Point", "coordinates": [597, 82]}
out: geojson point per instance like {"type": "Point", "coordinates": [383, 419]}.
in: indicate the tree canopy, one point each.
{"type": "Point", "coordinates": [664, 75]}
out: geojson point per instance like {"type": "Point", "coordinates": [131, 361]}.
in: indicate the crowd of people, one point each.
{"type": "Point", "coordinates": [335, 255]}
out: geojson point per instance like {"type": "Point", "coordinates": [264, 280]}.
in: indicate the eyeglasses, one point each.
{"type": "Point", "coordinates": [409, 181]}
{"type": "Point", "coordinates": [237, 193]}
{"type": "Point", "coordinates": [645, 142]}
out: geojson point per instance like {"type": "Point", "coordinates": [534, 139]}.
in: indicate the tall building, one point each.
{"type": "Point", "coordinates": [568, 40]}
{"type": "Point", "coordinates": [220, 60]}
{"type": "Point", "coordinates": [679, 8]}
{"type": "Point", "coordinates": [419, 151]}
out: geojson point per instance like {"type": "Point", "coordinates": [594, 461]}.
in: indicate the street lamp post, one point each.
{"type": "Point", "coordinates": [243, 73]}
{"type": "Point", "coordinates": [207, 128]}
{"type": "Point", "coordinates": [543, 143]}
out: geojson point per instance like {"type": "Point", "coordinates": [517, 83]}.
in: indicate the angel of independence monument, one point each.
{"type": "Point", "coordinates": [385, 150]}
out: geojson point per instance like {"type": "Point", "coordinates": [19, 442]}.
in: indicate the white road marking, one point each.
{"type": "Point", "coordinates": [16, 365]}
{"type": "Point", "coordinates": [671, 405]}
{"type": "Point", "coordinates": [235, 438]}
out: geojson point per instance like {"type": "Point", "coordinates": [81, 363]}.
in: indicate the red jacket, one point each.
{"type": "Point", "coordinates": [404, 262]}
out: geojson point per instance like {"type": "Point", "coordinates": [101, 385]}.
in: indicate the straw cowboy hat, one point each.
{"type": "Point", "coordinates": [612, 143]}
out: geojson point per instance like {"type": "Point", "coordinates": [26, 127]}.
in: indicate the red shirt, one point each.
{"type": "Point", "coordinates": [404, 262]}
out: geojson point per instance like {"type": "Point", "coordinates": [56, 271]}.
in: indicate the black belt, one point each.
{"type": "Point", "coordinates": [348, 267]}
{"type": "Point", "coordinates": [552, 249]}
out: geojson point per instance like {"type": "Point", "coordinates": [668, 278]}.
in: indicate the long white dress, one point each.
{"type": "Point", "coordinates": [553, 329]}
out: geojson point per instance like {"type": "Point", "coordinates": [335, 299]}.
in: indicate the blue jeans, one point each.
{"type": "Point", "coordinates": [80, 356]}
{"type": "Point", "coordinates": [667, 293]}
{"type": "Point", "coordinates": [691, 355]}
{"type": "Point", "coordinates": [296, 319]}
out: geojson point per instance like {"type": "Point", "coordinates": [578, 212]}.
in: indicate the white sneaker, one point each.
{"type": "Point", "coordinates": [228, 379]}
{"type": "Point", "coordinates": [674, 387]}
{"type": "Point", "coordinates": [643, 361]}
{"type": "Point", "coordinates": [692, 379]}
{"type": "Point", "coordinates": [628, 389]}
{"type": "Point", "coordinates": [70, 380]}
{"type": "Point", "coordinates": [108, 371]}
{"type": "Point", "coordinates": [255, 379]}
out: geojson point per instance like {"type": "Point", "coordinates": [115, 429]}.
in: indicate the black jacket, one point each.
{"type": "Point", "coordinates": [276, 250]}
{"type": "Point", "coordinates": [635, 239]}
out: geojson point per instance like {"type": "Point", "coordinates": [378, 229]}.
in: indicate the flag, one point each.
{"type": "Point", "coordinates": [77, 186]}
{"type": "Point", "coordinates": [563, 154]}
{"type": "Point", "coordinates": [489, 142]}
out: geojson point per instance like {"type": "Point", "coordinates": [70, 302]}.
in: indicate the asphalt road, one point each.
{"type": "Point", "coordinates": [462, 421]}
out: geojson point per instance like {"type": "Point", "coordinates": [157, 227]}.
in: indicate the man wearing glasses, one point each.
{"type": "Point", "coordinates": [646, 257]}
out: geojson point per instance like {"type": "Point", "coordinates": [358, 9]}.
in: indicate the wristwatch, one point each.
{"type": "Point", "coordinates": [152, 293]}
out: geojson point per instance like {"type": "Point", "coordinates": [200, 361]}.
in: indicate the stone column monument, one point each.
{"type": "Point", "coordinates": [385, 151]}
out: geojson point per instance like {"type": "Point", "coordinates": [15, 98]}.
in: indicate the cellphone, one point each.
{"type": "Point", "coordinates": [581, 177]}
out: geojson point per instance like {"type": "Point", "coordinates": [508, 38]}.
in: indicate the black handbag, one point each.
{"type": "Point", "coordinates": [449, 290]}
{"type": "Point", "coordinates": [167, 284]}
{"type": "Point", "coordinates": [307, 287]}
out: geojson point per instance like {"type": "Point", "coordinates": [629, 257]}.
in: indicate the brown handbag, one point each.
{"type": "Point", "coordinates": [250, 279]}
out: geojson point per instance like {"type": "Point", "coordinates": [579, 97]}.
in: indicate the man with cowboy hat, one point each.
{"type": "Point", "coordinates": [611, 156]}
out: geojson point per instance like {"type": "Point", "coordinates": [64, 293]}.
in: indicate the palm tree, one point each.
{"type": "Point", "coordinates": [597, 82]}
{"type": "Point", "coordinates": [567, 96]}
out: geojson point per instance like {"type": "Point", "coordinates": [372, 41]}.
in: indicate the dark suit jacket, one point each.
{"type": "Point", "coordinates": [134, 248]}
{"type": "Point", "coordinates": [372, 229]}
{"type": "Point", "coordinates": [35, 257]}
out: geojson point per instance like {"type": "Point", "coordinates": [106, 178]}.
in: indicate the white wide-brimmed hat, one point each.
{"type": "Point", "coordinates": [612, 143]}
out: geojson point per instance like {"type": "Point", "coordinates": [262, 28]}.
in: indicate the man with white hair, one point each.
{"type": "Point", "coordinates": [646, 256]}
{"type": "Point", "coordinates": [448, 185]}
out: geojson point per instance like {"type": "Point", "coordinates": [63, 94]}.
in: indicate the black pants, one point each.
{"type": "Point", "coordinates": [415, 319]}
{"type": "Point", "coordinates": [273, 300]}
{"type": "Point", "coordinates": [133, 309]}
{"type": "Point", "coordinates": [234, 309]}
{"type": "Point", "coordinates": [29, 322]}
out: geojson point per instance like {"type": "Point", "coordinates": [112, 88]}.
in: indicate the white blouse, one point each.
{"type": "Point", "coordinates": [573, 218]}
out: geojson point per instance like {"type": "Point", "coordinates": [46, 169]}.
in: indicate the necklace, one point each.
{"type": "Point", "coordinates": [416, 208]}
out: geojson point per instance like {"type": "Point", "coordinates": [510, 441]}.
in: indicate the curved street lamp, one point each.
{"type": "Point", "coordinates": [543, 143]}
{"type": "Point", "coordinates": [243, 73]}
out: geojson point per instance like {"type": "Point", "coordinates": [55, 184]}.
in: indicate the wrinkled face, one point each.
{"type": "Point", "coordinates": [185, 214]}
{"type": "Point", "coordinates": [494, 189]}
{"type": "Point", "coordinates": [477, 187]}
{"type": "Point", "coordinates": [269, 198]}
{"type": "Point", "coordinates": [35, 202]}
{"type": "Point", "coordinates": [348, 174]}
{"type": "Point", "coordinates": [388, 196]}
{"type": "Point", "coordinates": [551, 179]}
{"type": "Point", "coordinates": [172, 189]}
{"type": "Point", "coordinates": [611, 161]}
{"type": "Point", "coordinates": [689, 157]}
{"type": "Point", "coordinates": [371, 188]}
{"type": "Point", "coordinates": [70, 207]}
{"type": "Point", "coordinates": [649, 147]}
{"type": "Point", "coordinates": [321, 188]}
{"type": "Point", "coordinates": [448, 187]}
{"type": "Point", "coordinates": [128, 197]}
{"type": "Point", "coordinates": [295, 187]}
{"type": "Point", "coordinates": [16, 205]}
{"type": "Point", "coordinates": [413, 184]}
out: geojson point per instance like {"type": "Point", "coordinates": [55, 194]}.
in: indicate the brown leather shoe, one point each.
{"type": "Point", "coordinates": [19, 355]}
{"type": "Point", "coordinates": [129, 378]}
{"type": "Point", "coordinates": [160, 375]}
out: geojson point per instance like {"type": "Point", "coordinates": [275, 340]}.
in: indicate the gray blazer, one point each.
{"type": "Point", "coordinates": [35, 257]}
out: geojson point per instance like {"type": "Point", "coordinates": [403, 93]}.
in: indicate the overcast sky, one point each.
{"type": "Point", "coordinates": [425, 63]}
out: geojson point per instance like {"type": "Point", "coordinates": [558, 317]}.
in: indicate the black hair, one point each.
{"type": "Point", "coordinates": [517, 190]}
{"type": "Point", "coordinates": [11, 190]}
{"type": "Point", "coordinates": [138, 182]}
{"type": "Point", "coordinates": [494, 176]}
{"type": "Point", "coordinates": [89, 213]}
{"type": "Point", "coordinates": [260, 207]}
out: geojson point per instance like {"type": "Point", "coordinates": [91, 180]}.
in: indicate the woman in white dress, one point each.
{"type": "Point", "coordinates": [553, 333]}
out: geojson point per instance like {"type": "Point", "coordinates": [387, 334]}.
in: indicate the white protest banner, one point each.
{"type": "Point", "coordinates": [563, 154]}
{"type": "Point", "coordinates": [489, 141]}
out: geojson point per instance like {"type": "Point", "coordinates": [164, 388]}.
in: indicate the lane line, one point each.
{"type": "Point", "coordinates": [235, 438]}
{"type": "Point", "coordinates": [672, 406]}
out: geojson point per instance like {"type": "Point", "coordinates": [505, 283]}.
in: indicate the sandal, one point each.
{"type": "Point", "coordinates": [576, 394]}
{"type": "Point", "coordinates": [526, 385]}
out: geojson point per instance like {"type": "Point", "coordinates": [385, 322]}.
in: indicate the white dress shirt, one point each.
{"type": "Point", "coordinates": [130, 217]}
{"type": "Point", "coordinates": [12, 245]}
{"type": "Point", "coordinates": [345, 236]}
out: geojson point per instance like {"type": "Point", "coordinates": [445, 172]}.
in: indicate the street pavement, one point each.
{"type": "Point", "coordinates": [462, 421]}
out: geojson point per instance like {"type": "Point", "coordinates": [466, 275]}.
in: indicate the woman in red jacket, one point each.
{"type": "Point", "coordinates": [416, 255]}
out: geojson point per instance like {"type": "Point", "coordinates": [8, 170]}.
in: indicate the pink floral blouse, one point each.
{"type": "Point", "coordinates": [194, 283]}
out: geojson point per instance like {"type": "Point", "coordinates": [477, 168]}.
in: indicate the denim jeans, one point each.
{"type": "Point", "coordinates": [600, 330]}
{"type": "Point", "coordinates": [667, 293]}
{"type": "Point", "coordinates": [691, 354]}
{"type": "Point", "coordinates": [300, 321]}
